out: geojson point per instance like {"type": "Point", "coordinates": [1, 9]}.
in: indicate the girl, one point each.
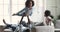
{"type": "Point", "coordinates": [26, 11]}
{"type": "Point", "coordinates": [48, 18]}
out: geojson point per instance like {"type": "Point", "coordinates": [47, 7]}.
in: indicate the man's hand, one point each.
{"type": "Point", "coordinates": [13, 14]}
{"type": "Point", "coordinates": [4, 21]}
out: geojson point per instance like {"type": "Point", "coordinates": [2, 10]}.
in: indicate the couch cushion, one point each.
{"type": "Point", "coordinates": [44, 29]}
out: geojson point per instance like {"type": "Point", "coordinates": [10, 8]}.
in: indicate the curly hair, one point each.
{"type": "Point", "coordinates": [28, 2]}
{"type": "Point", "coordinates": [47, 13]}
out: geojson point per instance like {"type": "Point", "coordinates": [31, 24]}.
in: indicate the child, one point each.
{"type": "Point", "coordinates": [27, 10]}
{"type": "Point", "coordinates": [48, 18]}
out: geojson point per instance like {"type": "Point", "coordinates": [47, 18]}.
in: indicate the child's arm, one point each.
{"type": "Point", "coordinates": [20, 12]}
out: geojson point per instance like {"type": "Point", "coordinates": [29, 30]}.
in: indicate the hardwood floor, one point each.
{"type": "Point", "coordinates": [1, 29]}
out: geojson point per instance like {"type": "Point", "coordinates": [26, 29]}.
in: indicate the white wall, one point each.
{"type": "Point", "coordinates": [9, 7]}
{"type": "Point", "coordinates": [53, 6]}
{"type": "Point", "coordinates": [58, 7]}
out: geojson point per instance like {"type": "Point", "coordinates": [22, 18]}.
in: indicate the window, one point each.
{"type": "Point", "coordinates": [9, 7]}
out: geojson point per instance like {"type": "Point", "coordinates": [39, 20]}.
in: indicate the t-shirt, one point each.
{"type": "Point", "coordinates": [48, 21]}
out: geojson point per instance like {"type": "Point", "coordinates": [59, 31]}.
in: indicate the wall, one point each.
{"type": "Point", "coordinates": [58, 7]}
{"type": "Point", "coordinates": [9, 7]}
{"type": "Point", "coordinates": [53, 6]}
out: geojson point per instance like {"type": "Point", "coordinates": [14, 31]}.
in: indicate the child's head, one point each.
{"type": "Point", "coordinates": [29, 3]}
{"type": "Point", "coordinates": [47, 13]}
